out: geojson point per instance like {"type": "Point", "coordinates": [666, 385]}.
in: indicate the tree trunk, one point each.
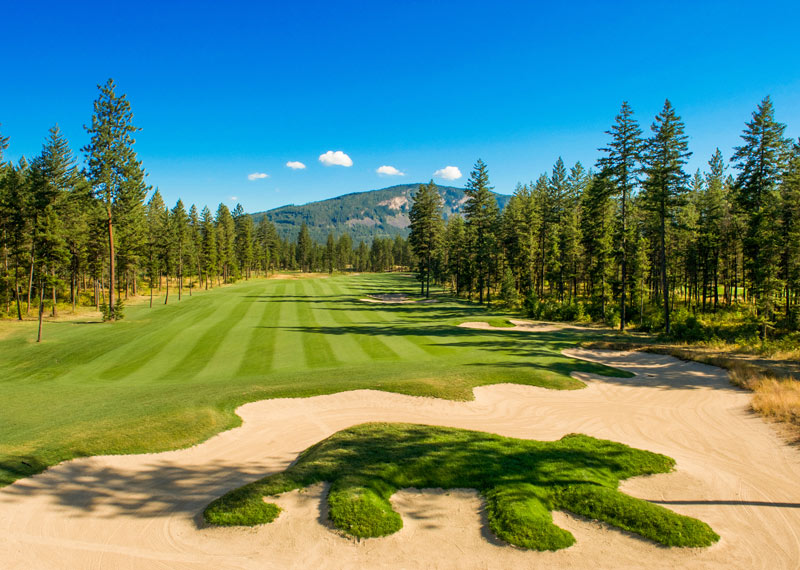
{"type": "Point", "coordinates": [30, 286]}
{"type": "Point", "coordinates": [53, 273]}
{"type": "Point", "coordinates": [180, 272]}
{"type": "Point", "coordinates": [111, 263]}
{"type": "Point", "coordinates": [166, 297]}
{"type": "Point", "coordinates": [664, 285]}
{"type": "Point", "coordinates": [41, 310]}
{"type": "Point", "coordinates": [624, 263]}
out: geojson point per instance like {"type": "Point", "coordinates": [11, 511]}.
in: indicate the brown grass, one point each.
{"type": "Point", "coordinates": [775, 395]}
{"type": "Point", "coordinates": [778, 400]}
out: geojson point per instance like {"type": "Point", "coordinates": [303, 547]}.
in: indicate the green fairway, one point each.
{"type": "Point", "coordinates": [173, 375]}
{"type": "Point", "coordinates": [521, 480]}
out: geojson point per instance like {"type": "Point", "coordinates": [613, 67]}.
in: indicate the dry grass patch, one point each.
{"type": "Point", "coordinates": [778, 399]}
{"type": "Point", "coordinates": [775, 396]}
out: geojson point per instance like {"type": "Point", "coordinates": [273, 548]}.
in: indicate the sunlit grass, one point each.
{"type": "Point", "coordinates": [522, 481]}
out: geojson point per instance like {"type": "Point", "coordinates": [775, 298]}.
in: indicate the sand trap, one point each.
{"type": "Point", "coordinates": [395, 298]}
{"type": "Point", "coordinates": [529, 326]}
{"type": "Point", "coordinates": [142, 511]}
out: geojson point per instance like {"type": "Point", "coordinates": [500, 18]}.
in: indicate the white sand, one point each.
{"type": "Point", "coordinates": [142, 511]}
{"type": "Point", "coordinates": [519, 325]}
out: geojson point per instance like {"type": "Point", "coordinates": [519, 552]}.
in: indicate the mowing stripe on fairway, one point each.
{"type": "Point", "coordinates": [289, 339]}
{"type": "Point", "coordinates": [420, 341]}
{"type": "Point", "coordinates": [317, 349]}
{"type": "Point", "coordinates": [231, 350]}
{"type": "Point", "coordinates": [372, 344]}
{"type": "Point", "coordinates": [208, 342]}
{"type": "Point", "coordinates": [158, 349]}
{"type": "Point", "coordinates": [329, 318]}
{"type": "Point", "coordinates": [260, 353]}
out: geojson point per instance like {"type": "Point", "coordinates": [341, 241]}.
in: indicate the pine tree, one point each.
{"type": "Point", "coordinates": [194, 247]}
{"type": "Point", "coordinates": [570, 231]}
{"type": "Point", "coordinates": [244, 240]}
{"type": "Point", "coordinates": [456, 252]}
{"type": "Point", "coordinates": [344, 251]}
{"type": "Point", "coordinates": [115, 173]}
{"type": "Point", "coordinates": [52, 176]}
{"type": "Point", "coordinates": [330, 253]}
{"type": "Point", "coordinates": [481, 213]}
{"type": "Point", "coordinates": [554, 213]}
{"type": "Point", "coordinates": [155, 238]}
{"type": "Point", "coordinates": [597, 215]}
{"type": "Point", "coordinates": [303, 251]}
{"type": "Point", "coordinates": [761, 161]}
{"type": "Point", "coordinates": [55, 172]}
{"type": "Point", "coordinates": [426, 228]}
{"type": "Point", "coordinates": [208, 247]}
{"type": "Point", "coordinates": [621, 160]}
{"type": "Point", "coordinates": [181, 235]}
{"type": "Point", "coordinates": [226, 243]}
{"type": "Point", "coordinates": [790, 207]}
{"type": "Point", "coordinates": [18, 232]}
{"type": "Point", "coordinates": [666, 154]}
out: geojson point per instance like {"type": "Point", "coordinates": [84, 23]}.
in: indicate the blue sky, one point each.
{"type": "Point", "coordinates": [225, 90]}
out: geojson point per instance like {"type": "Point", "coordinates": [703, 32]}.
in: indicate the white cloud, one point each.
{"type": "Point", "coordinates": [389, 171]}
{"type": "Point", "coordinates": [257, 176]}
{"type": "Point", "coordinates": [337, 158]}
{"type": "Point", "coordinates": [234, 198]}
{"type": "Point", "coordinates": [448, 173]}
{"type": "Point", "coordinates": [295, 165]}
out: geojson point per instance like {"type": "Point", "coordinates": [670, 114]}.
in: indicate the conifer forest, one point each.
{"type": "Point", "coordinates": [634, 240]}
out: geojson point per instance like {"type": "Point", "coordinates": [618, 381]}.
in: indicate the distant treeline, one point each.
{"type": "Point", "coordinates": [89, 235]}
{"type": "Point", "coordinates": [630, 240]}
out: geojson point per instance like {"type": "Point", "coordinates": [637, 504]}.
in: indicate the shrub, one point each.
{"type": "Point", "coordinates": [117, 314]}
{"type": "Point", "coordinates": [686, 327]}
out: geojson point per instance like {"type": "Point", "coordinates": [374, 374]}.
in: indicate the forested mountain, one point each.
{"type": "Point", "coordinates": [364, 215]}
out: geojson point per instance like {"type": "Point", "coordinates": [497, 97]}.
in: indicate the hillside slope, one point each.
{"type": "Point", "coordinates": [364, 215]}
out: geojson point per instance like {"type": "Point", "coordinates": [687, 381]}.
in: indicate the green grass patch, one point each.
{"type": "Point", "coordinates": [172, 376]}
{"type": "Point", "coordinates": [521, 480]}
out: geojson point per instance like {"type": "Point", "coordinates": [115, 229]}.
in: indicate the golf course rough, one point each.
{"type": "Point", "coordinates": [522, 481]}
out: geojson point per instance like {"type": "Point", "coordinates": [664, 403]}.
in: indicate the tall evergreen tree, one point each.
{"type": "Point", "coordinates": [226, 243]}
{"type": "Point", "coordinates": [790, 207]}
{"type": "Point", "coordinates": [303, 252]}
{"type": "Point", "coordinates": [597, 215]}
{"type": "Point", "coordinates": [155, 239]}
{"type": "Point", "coordinates": [426, 228]}
{"type": "Point", "coordinates": [181, 235]}
{"type": "Point", "coordinates": [481, 213]}
{"type": "Point", "coordinates": [621, 164]}
{"type": "Point", "coordinates": [208, 247]}
{"type": "Point", "coordinates": [244, 240]}
{"type": "Point", "coordinates": [665, 156]}
{"type": "Point", "coordinates": [116, 175]}
{"type": "Point", "coordinates": [761, 161]}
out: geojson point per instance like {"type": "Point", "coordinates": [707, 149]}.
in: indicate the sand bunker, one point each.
{"type": "Point", "coordinates": [142, 511]}
{"type": "Point", "coordinates": [395, 298]}
{"type": "Point", "coordinates": [529, 326]}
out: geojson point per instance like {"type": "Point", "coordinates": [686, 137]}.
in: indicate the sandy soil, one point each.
{"type": "Point", "coordinates": [394, 298]}
{"type": "Point", "coordinates": [529, 326]}
{"type": "Point", "coordinates": [142, 511]}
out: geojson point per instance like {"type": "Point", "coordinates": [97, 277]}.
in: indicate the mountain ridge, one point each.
{"type": "Point", "coordinates": [364, 215]}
